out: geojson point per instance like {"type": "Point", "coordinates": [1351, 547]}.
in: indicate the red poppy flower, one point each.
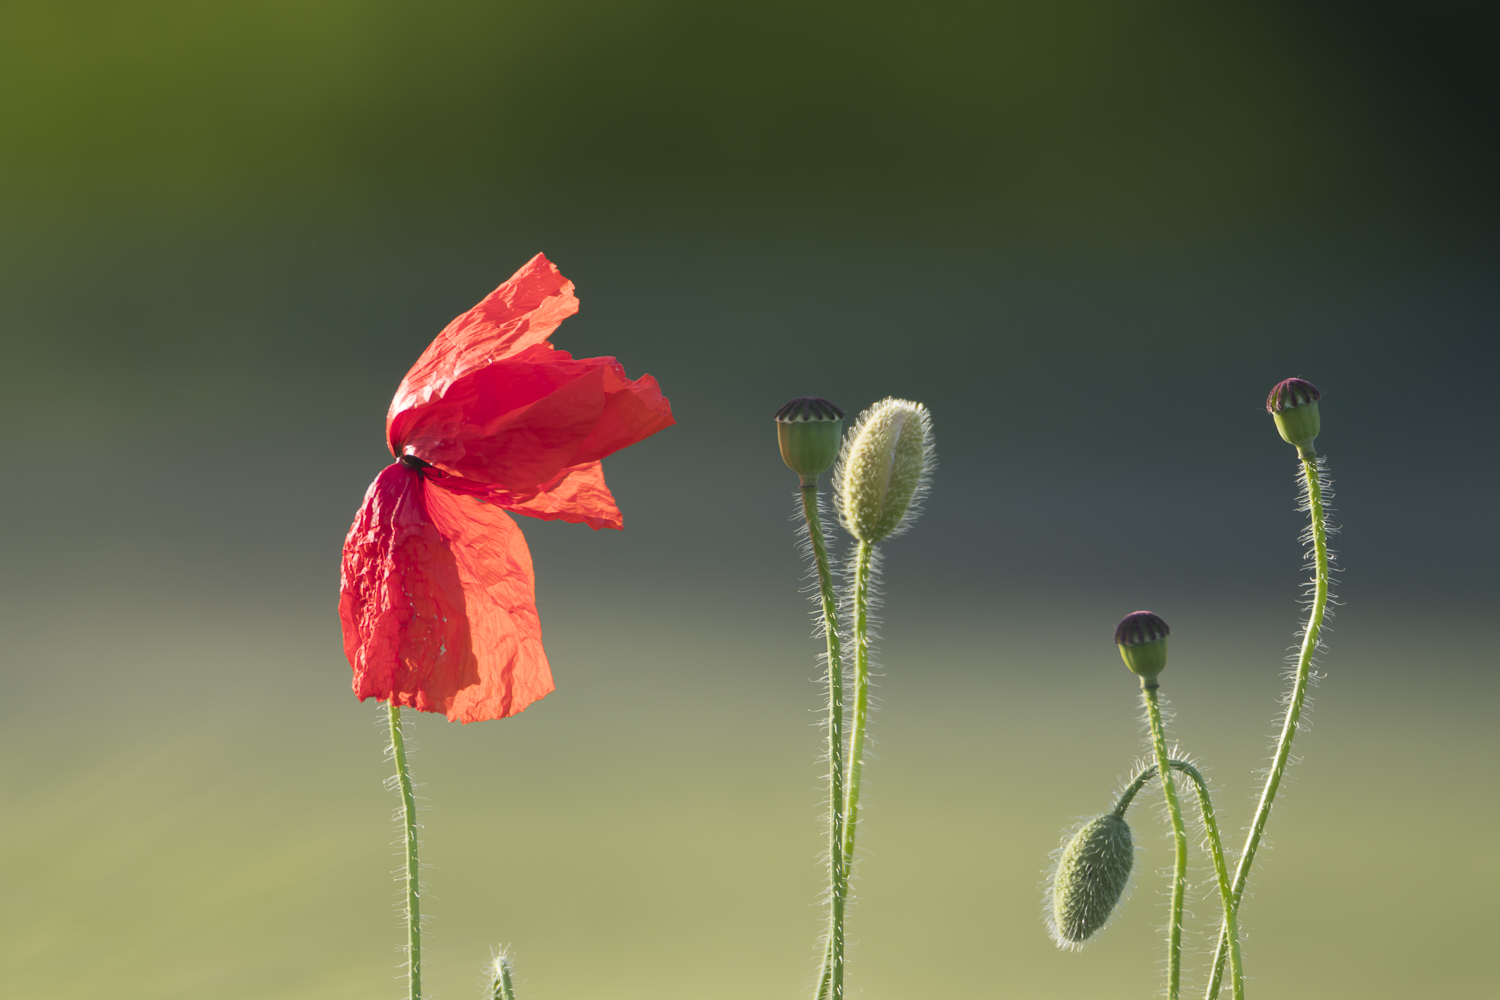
{"type": "Point", "coordinates": [437, 594]}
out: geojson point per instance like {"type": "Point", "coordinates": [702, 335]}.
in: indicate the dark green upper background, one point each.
{"type": "Point", "coordinates": [1089, 236]}
{"type": "Point", "coordinates": [1173, 113]}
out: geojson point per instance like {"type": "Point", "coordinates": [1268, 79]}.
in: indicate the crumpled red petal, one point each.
{"type": "Point", "coordinates": [521, 422]}
{"type": "Point", "coordinates": [437, 602]}
{"type": "Point", "coordinates": [578, 495]}
{"type": "Point", "coordinates": [521, 313]}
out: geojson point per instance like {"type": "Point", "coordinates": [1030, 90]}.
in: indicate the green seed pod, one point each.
{"type": "Point", "coordinates": [885, 470]}
{"type": "Point", "coordinates": [1092, 872]}
{"type": "Point", "coordinates": [1142, 638]}
{"type": "Point", "coordinates": [1294, 405]}
{"type": "Point", "coordinates": [808, 430]}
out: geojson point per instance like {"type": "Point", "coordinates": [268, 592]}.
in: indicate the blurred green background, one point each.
{"type": "Point", "coordinates": [1090, 236]}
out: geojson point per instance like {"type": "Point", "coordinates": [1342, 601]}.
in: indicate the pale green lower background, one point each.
{"type": "Point", "coordinates": [196, 811]}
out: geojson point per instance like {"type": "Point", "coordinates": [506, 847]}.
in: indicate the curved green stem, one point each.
{"type": "Point", "coordinates": [1318, 529]}
{"type": "Point", "coordinates": [838, 878]}
{"type": "Point", "coordinates": [1122, 804]}
{"type": "Point", "coordinates": [1216, 848]}
{"type": "Point", "coordinates": [409, 828]}
{"type": "Point", "coordinates": [1179, 838]}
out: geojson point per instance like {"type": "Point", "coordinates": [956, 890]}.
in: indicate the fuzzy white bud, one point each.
{"type": "Point", "coordinates": [885, 470]}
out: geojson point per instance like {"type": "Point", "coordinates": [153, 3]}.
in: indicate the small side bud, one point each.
{"type": "Point", "coordinates": [1294, 406]}
{"type": "Point", "coordinates": [1142, 638]}
{"type": "Point", "coordinates": [808, 430]}
{"type": "Point", "coordinates": [1092, 873]}
{"type": "Point", "coordinates": [885, 470]}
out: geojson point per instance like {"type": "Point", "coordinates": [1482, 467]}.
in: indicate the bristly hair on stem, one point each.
{"type": "Point", "coordinates": [813, 588]}
{"type": "Point", "coordinates": [833, 974]}
{"type": "Point", "coordinates": [1210, 840]}
{"type": "Point", "coordinates": [1310, 542]}
{"type": "Point", "coordinates": [409, 875]}
{"type": "Point", "coordinates": [1315, 490]}
{"type": "Point", "coordinates": [499, 976]}
{"type": "Point", "coordinates": [1151, 699]}
{"type": "Point", "coordinates": [1317, 609]}
{"type": "Point", "coordinates": [862, 599]}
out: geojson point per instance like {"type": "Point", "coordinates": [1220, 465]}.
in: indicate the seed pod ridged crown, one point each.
{"type": "Point", "coordinates": [1140, 626]}
{"type": "Point", "coordinates": [808, 408]}
{"type": "Point", "coordinates": [1291, 392]}
{"type": "Point", "coordinates": [808, 431]}
{"type": "Point", "coordinates": [1092, 873]}
{"type": "Point", "coordinates": [885, 470]}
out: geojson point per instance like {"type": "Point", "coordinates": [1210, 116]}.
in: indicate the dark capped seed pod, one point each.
{"type": "Point", "coordinates": [1091, 876]}
{"type": "Point", "coordinates": [809, 430]}
{"type": "Point", "coordinates": [1142, 638]}
{"type": "Point", "coordinates": [1294, 406]}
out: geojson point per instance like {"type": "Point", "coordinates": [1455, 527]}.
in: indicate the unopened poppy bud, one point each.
{"type": "Point", "coordinates": [885, 470]}
{"type": "Point", "coordinates": [1092, 873]}
{"type": "Point", "coordinates": [1142, 638]}
{"type": "Point", "coordinates": [1294, 406]}
{"type": "Point", "coordinates": [808, 430]}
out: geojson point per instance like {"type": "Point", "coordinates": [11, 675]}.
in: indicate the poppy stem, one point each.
{"type": "Point", "coordinates": [501, 987]}
{"type": "Point", "coordinates": [1179, 837]}
{"type": "Point", "coordinates": [862, 572]}
{"type": "Point", "coordinates": [831, 980]}
{"type": "Point", "coordinates": [409, 829]}
{"type": "Point", "coordinates": [1311, 477]}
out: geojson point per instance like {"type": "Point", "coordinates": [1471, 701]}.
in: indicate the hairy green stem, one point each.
{"type": "Point", "coordinates": [831, 980]}
{"type": "Point", "coordinates": [861, 697]}
{"type": "Point", "coordinates": [1312, 483]}
{"type": "Point", "coordinates": [502, 988]}
{"type": "Point", "coordinates": [1179, 837]}
{"type": "Point", "coordinates": [862, 571]}
{"type": "Point", "coordinates": [1216, 848]}
{"type": "Point", "coordinates": [409, 828]}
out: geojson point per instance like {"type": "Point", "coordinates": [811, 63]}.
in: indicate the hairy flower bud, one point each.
{"type": "Point", "coordinates": [1092, 872]}
{"type": "Point", "coordinates": [1142, 638]}
{"type": "Point", "coordinates": [885, 470]}
{"type": "Point", "coordinates": [808, 430]}
{"type": "Point", "coordinates": [1294, 405]}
